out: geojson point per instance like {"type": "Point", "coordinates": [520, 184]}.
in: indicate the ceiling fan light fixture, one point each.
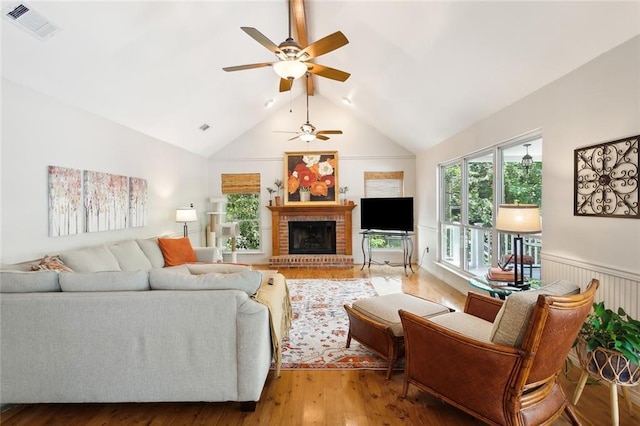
{"type": "Point", "coordinates": [290, 69]}
{"type": "Point", "coordinates": [307, 137]}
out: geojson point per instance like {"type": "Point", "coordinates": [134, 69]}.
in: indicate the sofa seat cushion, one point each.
{"type": "Point", "coordinates": [90, 259]}
{"type": "Point", "coordinates": [466, 324]}
{"type": "Point", "coordinates": [130, 256]}
{"type": "Point", "coordinates": [384, 309]}
{"type": "Point", "coordinates": [176, 279]}
{"type": "Point", "coordinates": [511, 322]}
{"type": "Point", "coordinates": [104, 281]}
{"type": "Point", "coordinates": [28, 282]}
{"type": "Point", "coordinates": [220, 268]}
{"type": "Point", "coordinates": [176, 251]}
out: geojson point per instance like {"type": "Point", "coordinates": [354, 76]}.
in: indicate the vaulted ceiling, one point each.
{"type": "Point", "coordinates": [420, 70]}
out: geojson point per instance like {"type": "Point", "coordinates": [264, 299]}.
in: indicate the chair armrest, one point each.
{"type": "Point", "coordinates": [207, 254]}
{"type": "Point", "coordinates": [482, 306]}
{"type": "Point", "coordinates": [449, 364]}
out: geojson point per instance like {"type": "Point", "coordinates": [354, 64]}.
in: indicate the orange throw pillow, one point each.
{"type": "Point", "coordinates": [176, 251]}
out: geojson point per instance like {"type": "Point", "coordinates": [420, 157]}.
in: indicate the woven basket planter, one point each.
{"type": "Point", "coordinates": [608, 365]}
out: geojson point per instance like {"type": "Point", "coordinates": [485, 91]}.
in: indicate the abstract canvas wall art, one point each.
{"type": "Point", "coordinates": [137, 202]}
{"type": "Point", "coordinates": [65, 201]}
{"type": "Point", "coordinates": [106, 201]}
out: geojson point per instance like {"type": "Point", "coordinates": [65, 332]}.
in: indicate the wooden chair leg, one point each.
{"type": "Point", "coordinates": [581, 382]}
{"type": "Point", "coordinates": [348, 340]}
{"type": "Point", "coordinates": [568, 409]}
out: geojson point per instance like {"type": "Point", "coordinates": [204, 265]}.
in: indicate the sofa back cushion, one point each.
{"type": "Point", "coordinates": [220, 268]}
{"type": "Point", "coordinates": [104, 281]}
{"type": "Point", "coordinates": [152, 250]}
{"type": "Point", "coordinates": [90, 259]}
{"type": "Point", "coordinates": [176, 279]}
{"type": "Point", "coordinates": [130, 256]}
{"type": "Point", "coordinates": [512, 320]}
{"type": "Point", "coordinates": [28, 282]}
{"type": "Point", "coordinates": [176, 251]}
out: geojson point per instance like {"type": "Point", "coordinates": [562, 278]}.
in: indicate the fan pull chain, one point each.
{"type": "Point", "coordinates": [290, 99]}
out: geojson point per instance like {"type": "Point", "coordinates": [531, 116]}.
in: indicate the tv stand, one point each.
{"type": "Point", "coordinates": [407, 247]}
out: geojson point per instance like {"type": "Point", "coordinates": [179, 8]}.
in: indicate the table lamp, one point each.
{"type": "Point", "coordinates": [186, 214]}
{"type": "Point", "coordinates": [518, 219]}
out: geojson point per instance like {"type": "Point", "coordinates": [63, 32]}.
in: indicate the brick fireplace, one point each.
{"type": "Point", "coordinates": [282, 215]}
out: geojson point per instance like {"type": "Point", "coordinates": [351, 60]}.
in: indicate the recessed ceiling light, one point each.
{"type": "Point", "coordinates": [269, 103]}
{"type": "Point", "coordinates": [204, 127]}
{"type": "Point", "coordinates": [346, 101]}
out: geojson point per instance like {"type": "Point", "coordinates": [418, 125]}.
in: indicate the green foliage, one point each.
{"type": "Point", "coordinates": [520, 187]}
{"type": "Point", "coordinates": [245, 209]}
{"type": "Point", "coordinates": [612, 330]}
{"type": "Point", "coordinates": [480, 177]}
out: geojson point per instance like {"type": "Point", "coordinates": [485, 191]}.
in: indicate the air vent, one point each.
{"type": "Point", "coordinates": [30, 21]}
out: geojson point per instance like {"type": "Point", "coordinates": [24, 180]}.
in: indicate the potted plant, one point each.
{"type": "Point", "coordinates": [305, 193]}
{"type": "Point", "coordinates": [278, 184]}
{"type": "Point", "coordinates": [608, 345]}
{"type": "Point", "coordinates": [343, 190]}
{"type": "Point", "coordinates": [270, 190]}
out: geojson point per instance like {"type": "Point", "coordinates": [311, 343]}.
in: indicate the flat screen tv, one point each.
{"type": "Point", "coordinates": [387, 214]}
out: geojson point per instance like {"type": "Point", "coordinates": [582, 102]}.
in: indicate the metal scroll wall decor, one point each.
{"type": "Point", "coordinates": [607, 179]}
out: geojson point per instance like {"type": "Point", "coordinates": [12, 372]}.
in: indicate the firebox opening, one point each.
{"type": "Point", "coordinates": [312, 237]}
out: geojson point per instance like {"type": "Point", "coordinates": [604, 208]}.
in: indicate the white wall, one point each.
{"type": "Point", "coordinates": [361, 148]}
{"type": "Point", "coordinates": [38, 131]}
{"type": "Point", "coordinates": [598, 102]}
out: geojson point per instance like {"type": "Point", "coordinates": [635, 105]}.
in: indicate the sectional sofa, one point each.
{"type": "Point", "coordinates": [123, 328]}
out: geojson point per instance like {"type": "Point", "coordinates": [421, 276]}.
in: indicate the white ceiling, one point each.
{"type": "Point", "coordinates": [421, 70]}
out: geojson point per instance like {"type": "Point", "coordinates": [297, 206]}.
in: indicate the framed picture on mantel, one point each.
{"type": "Point", "coordinates": [311, 177]}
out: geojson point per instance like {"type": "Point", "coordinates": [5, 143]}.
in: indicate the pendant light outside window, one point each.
{"type": "Point", "coordinates": [527, 160]}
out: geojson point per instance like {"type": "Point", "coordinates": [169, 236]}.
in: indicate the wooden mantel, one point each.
{"type": "Point", "coordinates": [281, 214]}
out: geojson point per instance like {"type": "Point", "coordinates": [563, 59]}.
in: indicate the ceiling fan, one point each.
{"type": "Point", "coordinates": [293, 59]}
{"type": "Point", "coordinates": [308, 131]}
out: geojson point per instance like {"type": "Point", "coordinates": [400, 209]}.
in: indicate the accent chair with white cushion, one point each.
{"type": "Point", "coordinates": [499, 361]}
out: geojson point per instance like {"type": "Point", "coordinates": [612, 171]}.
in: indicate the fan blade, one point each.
{"type": "Point", "coordinates": [295, 137]}
{"type": "Point", "coordinates": [263, 40]}
{"type": "Point", "coordinates": [327, 72]}
{"type": "Point", "coordinates": [322, 46]}
{"type": "Point", "coordinates": [322, 137]}
{"type": "Point", "coordinates": [329, 132]}
{"type": "Point", "coordinates": [284, 131]}
{"type": "Point", "coordinates": [285, 85]}
{"type": "Point", "coordinates": [248, 67]}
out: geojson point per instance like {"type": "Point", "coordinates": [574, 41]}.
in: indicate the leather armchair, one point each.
{"type": "Point", "coordinates": [495, 382]}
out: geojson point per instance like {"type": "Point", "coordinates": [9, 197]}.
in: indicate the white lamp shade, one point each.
{"type": "Point", "coordinates": [290, 69]}
{"type": "Point", "coordinates": [186, 215]}
{"type": "Point", "coordinates": [518, 219]}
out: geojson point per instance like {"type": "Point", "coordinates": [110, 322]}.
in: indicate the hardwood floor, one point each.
{"type": "Point", "coordinates": [306, 397]}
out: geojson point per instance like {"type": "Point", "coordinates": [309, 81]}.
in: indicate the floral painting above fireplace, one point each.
{"type": "Point", "coordinates": [311, 177]}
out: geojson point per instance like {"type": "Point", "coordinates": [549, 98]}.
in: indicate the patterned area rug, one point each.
{"type": "Point", "coordinates": [320, 326]}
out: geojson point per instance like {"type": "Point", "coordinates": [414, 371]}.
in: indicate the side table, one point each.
{"type": "Point", "coordinates": [499, 289]}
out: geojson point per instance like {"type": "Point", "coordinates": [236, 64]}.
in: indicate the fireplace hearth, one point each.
{"type": "Point", "coordinates": [312, 237]}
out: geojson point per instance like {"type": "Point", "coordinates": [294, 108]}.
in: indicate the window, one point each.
{"type": "Point", "coordinates": [379, 185]}
{"type": "Point", "coordinates": [471, 189]}
{"type": "Point", "coordinates": [243, 206]}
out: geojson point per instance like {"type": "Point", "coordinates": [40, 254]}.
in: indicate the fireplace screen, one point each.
{"type": "Point", "coordinates": [312, 237]}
